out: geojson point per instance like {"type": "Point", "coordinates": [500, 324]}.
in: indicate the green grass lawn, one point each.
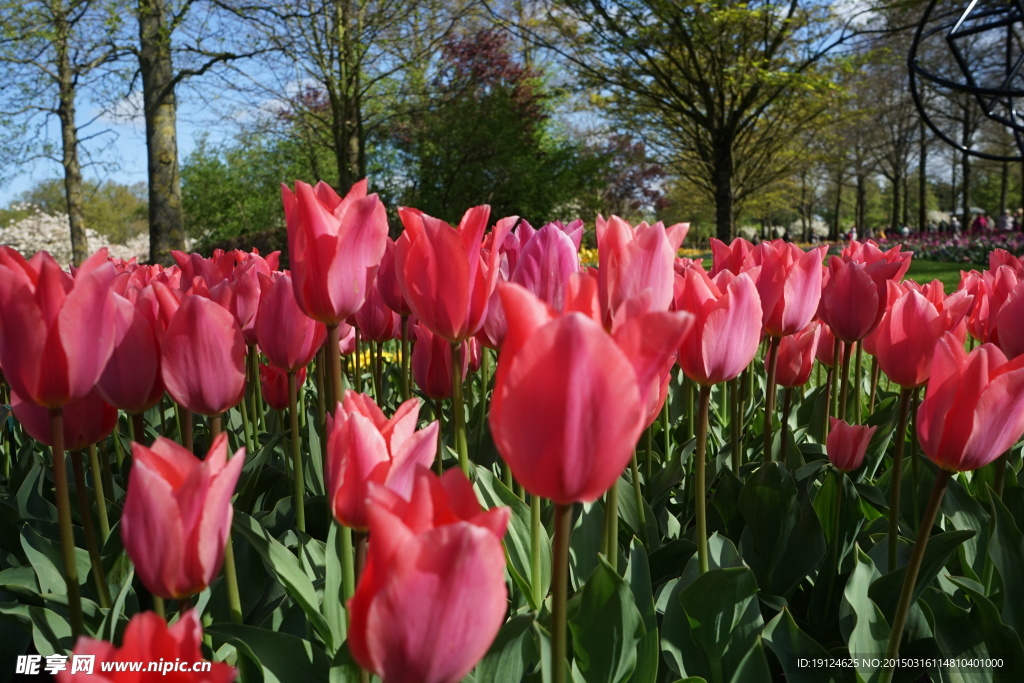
{"type": "Point", "coordinates": [948, 273]}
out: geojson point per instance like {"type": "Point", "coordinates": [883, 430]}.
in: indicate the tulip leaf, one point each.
{"type": "Point", "coordinates": [1007, 553]}
{"type": "Point", "coordinates": [585, 544]}
{"type": "Point", "coordinates": [753, 668]}
{"type": "Point", "coordinates": [286, 567]}
{"type": "Point", "coordinates": [47, 561]}
{"type": "Point", "coordinates": [493, 493]}
{"type": "Point", "coordinates": [784, 638]}
{"type": "Point", "coordinates": [638, 573]}
{"type": "Point", "coordinates": [283, 657]}
{"type": "Point", "coordinates": [51, 634]}
{"type": "Point", "coordinates": [965, 512]}
{"type": "Point", "coordinates": [108, 629]}
{"type": "Point", "coordinates": [510, 654]}
{"type": "Point", "coordinates": [606, 628]}
{"type": "Point", "coordinates": [646, 530]}
{"type": "Point", "coordinates": [334, 595]}
{"type": "Point", "coordinates": [954, 630]}
{"type": "Point", "coordinates": [850, 518]}
{"type": "Point", "coordinates": [718, 607]}
{"type": "Point", "coordinates": [998, 636]}
{"type": "Point", "coordinates": [861, 621]}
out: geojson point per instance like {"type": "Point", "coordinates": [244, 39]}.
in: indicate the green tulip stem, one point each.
{"type": "Point", "coordinates": [334, 363]}
{"type": "Point", "coordinates": [485, 378]}
{"type": "Point", "coordinates": [942, 478]}
{"type": "Point", "coordinates": [666, 422]}
{"type": "Point", "coordinates": [769, 397]}
{"type": "Point", "coordinates": [348, 565]}
{"type": "Point", "coordinates": [787, 404]}
{"type": "Point", "coordinates": [461, 445]}
{"type": "Point", "coordinates": [159, 607]}
{"type": "Point", "coordinates": [299, 484]}
{"type": "Point", "coordinates": [230, 575]}
{"type": "Point", "coordinates": [734, 424]}
{"type": "Point", "coordinates": [858, 369]}
{"type": "Point", "coordinates": [107, 472]}
{"type": "Point", "coordinates": [875, 374]}
{"type": "Point", "coordinates": [406, 360]}
{"type": "Point", "coordinates": [699, 485]}
{"type": "Point", "coordinates": [101, 498]}
{"type": "Point", "coordinates": [439, 416]}
{"type": "Point", "coordinates": [118, 450]}
{"type": "Point", "coordinates": [99, 577]}
{"type": "Point", "coordinates": [648, 454]}
{"type": "Point", "coordinates": [560, 585]}
{"type": "Point", "coordinates": [375, 366]}
{"type": "Point", "coordinates": [915, 455]}
{"type": "Point", "coordinates": [897, 473]}
{"type": "Point", "coordinates": [836, 512]}
{"type": "Point", "coordinates": [247, 429]}
{"type": "Point", "coordinates": [321, 400]}
{"type": "Point", "coordinates": [536, 534]}
{"type": "Point", "coordinates": [67, 537]}
{"type": "Point", "coordinates": [638, 500]}
{"type": "Point", "coordinates": [690, 418]}
{"type": "Point", "coordinates": [187, 434]}
{"type": "Point", "coordinates": [610, 546]}
{"type": "Point", "coordinates": [844, 385]}
{"type": "Point", "coordinates": [357, 373]}
{"type": "Point", "coordinates": [137, 423]}
{"type": "Point", "coordinates": [255, 394]}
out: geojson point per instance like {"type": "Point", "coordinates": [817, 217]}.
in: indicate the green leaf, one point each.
{"type": "Point", "coordinates": [518, 539]}
{"type": "Point", "coordinates": [787, 641]}
{"type": "Point", "coordinates": [638, 574]}
{"type": "Point", "coordinates": [861, 622]}
{"type": "Point", "coordinates": [965, 512]}
{"type": "Point", "coordinates": [48, 562]}
{"type": "Point", "coordinates": [283, 657]}
{"type": "Point", "coordinates": [716, 607]}
{"type": "Point", "coordinates": [1007, 553]}
{"type": "Point", "coordinates": [108, 629]}
{"type": "Point", "coordinates": [585, 542]}
{"type": "Point", "coordinates": [286, 567]}
{"type": "Point", "coordinates": [753, 668]}
{"type": "Point", "coordinates": [606, 627]}
{"type": "Point", "coordinates": [511, 653]}
{"type": "Point", "coordinates": [850, 517]}
{"type": "Point", "coordinates": [333, 605]}
{"type": "Point", "coordinates": [1000, 639]}
{"type": "Point", "coordinates": [51, 633]}
{"type": "Point", "coordinates": [628, 515]}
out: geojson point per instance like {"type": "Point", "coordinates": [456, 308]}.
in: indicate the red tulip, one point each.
{"type": "Point", "coordinates": [636, 265]}
{"type": "Point", "coordinates": [58, 332]}
{"type": "Point", "coordinates": [177, 514]}
{"type": "Point", "coordinates": [286, 336]}
{"type": "Point", "coordinates": [826, 352]}
{"type": "Point", "coordinates": [854, 298]}
{"type": "Point", "coordinates": [736, 257]}
{"type": "Point", "coordinates": [569, 403]}
{"type": "Point", "coordinates": [274, 385]}
{"type": "Point", "coordinates": [432, 597]}
{"type": "Point", "coordinates": [364, 447]}
{"type": "Point", "coordinates": [335, 246]}
{"type": "Point", "coordinates": [387, 279]}
{"type": "Point", "coordinates": [132, 381]}
{"type": "Point", "coordinates": [973, 409]}
{"type": "Point", "coordinates": [377, 322]}
{"type": "Point", "coordinates": [727, 325]}
{"type": "Point", "coordinates": [432, 364]}
{"type": "Point", "coordinates": [789, 284]}
{"type": "Point", "coordinates": [796, 356]}
{"type": "Point", "coordinates": [445, 279]}
{"type": "Point", "coordinates": [148, 639]}
{"type": "Point", "coordinates": [846, 444]}
{"type": "Point", "coordinates": [1009, 336]}
{"type": "Point", "coordinates": [868, 253]}
{"type": "Point", "coordinates": [87, 420]}
{"type": "Point", "coordinates": [203, 357]}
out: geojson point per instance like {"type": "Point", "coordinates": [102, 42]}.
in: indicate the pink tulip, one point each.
{"type": "Point", "coordinates": [569, 401]}
{"type": "Point", "coordinates": [736, 257]}
{"type": "Point", "coordinates": [335, 246]}
{"type": "Point", "coordinates": [203, 357]}
{"type": "Point", "coordinates": [274, 385]}
{"type": "Point", "coordinates": [286, 336]}
{"type": "Point", "coordinates": [377, 322]}
{"type": "Point", "coordinates": [727, 325]}
{"type": "Point", "coordinates": [826, 351]}
{"type": "Point", "coordinates": [796, 356]}
{"type": "Point", "coordinates": [854, 298]}
{"type": "Point", "coordinates": [387, 280]}
{"type": "Point", "coordinates": [432, 597]}
{"type": "Point", "coordinates": [846, 444]}
{"type": "Point", "coordinates": [131, 380]}
{"type": "Point", "coordinates": [87, 420]}
{"type": "Point", "coordinates": [364, 447]}
{"type": "Point", "coordinates": [445, 279]}
{"type": "Point", "coordinates": [147, 638]}
{"type": "Point", "coordinates": [973, 409]}
{"type": "Point", "coordinates": [177, 514]}
{"type": "Point", "coordinates": [789, 284]}
{"type": "Point", "coordinates": [58, 332]}
{"type": "Point", "coordinates": [432, 364]}
{"type": "Point", "coordinates": [636, 266]}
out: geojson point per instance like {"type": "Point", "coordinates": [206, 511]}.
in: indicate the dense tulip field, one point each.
{"type": "Point", "coordinates": [460, 455]}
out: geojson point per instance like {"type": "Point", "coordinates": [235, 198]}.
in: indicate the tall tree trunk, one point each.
{"type": "Point", "coordinates": [722, 170]}
{"type": "Point", "coordinates": [894, 215]}
{"type": "Point", "coordinates": [69, 140]}
{"type": "Point", "coordinates": [1004, 188]}
{"type": "Point", "coordinates": [834, 233]}
{"type": "Point", "coordinates": [922, 177]}
{"type": "Point", "coordinates": [862, 201]}
{"type": "Point", "coordinates": [906, 201]}
{"type": "Point", "coordinates": [166, 222]}
{"type": "Point", "coordinates": [346, 108]}
{"type": "Point", "coordinates": [965, 163]}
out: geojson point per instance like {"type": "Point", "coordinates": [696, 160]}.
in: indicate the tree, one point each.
{"type": "Point", "coordinates": [722, 86]}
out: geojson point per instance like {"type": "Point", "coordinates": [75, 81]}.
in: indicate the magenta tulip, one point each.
{"type": "Point", "coordinates": [177, 514]}
{"type": "Point", "coordinates": [87, 420]}
{"type": "Point", "coordinates": [847, 444]}
{"type": "Point", "coordinates": [131, 380]}
{"type": "Point", "coordinates": [789, 284]}
{"type": "Point", "coordinates": [796, 356]}
{"type": "Point", "coordinates": [286, 336]}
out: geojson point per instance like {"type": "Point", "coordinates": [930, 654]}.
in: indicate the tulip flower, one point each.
{"type": "Point", "coordinates": [203, 357]}
{"type": "Point", "coordinates": [148, 639]}
{"type": "Point", "coordinates": [445, 279]}
{"type": "Point", "coordinates": [364, 448]}
{"type": "Point", "coordinates": [87, 420]}
{"type": "Point", "coordinates": [636, 264]}
{"type": "Point", "coordinates": [387, 279]}
{"type": "Point", "coordinates": [796, 356]}
{"type": "Point", "coordinates": [735, 257]}
{"type": "Point", "coordinates": [846, 444]}
{"type": "Point", "coordinates": [789, 284]}
{"type": "Point", "coordinates": [274, 385]}
{"type": "Point", "coordinates": [286, 336]}
{"type": "Point", "coordinates": [377, 322]}
{"type": "Point", "coordinates": [335, 246]}
{"type": "Point", "coordinates": [906, 338]}
{"type": "Point", "coordinates": [131, 380]}
{"type": "Point", "coordinates": [177, 514]}
{"type": "Point", "coordinates": [727, 325]}
{"type": "Point", "coordinates": [432, 364]}
{"type": "Point", "coordinates": [432, 596]}
{"type": "Point", "coordinates": [853, 300]}
{"type": "Point", "coordinates": [58, 331]}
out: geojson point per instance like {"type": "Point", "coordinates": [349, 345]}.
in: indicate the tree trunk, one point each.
{"type": "Point", "coordinates": [346, 108]}
{"type": "Point", "coordinates": [834, 235]}
{"type": "Point", "coordinates": [722, 170]}
{"type": "Point", "coordinates": [1004, 188]}
{"type": "Point", "coordinates": [922, 178]}
{"type": "Point", "coordinates": [69, 140]}
{"type": "Point", "coordinates": [860, 215]}
{"type": "Point", "coordinates": [965, 162]}
{"type": "Point", "coordinates": [894, 216]}
{"type": "Point", "coordinates": [166, 222]}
